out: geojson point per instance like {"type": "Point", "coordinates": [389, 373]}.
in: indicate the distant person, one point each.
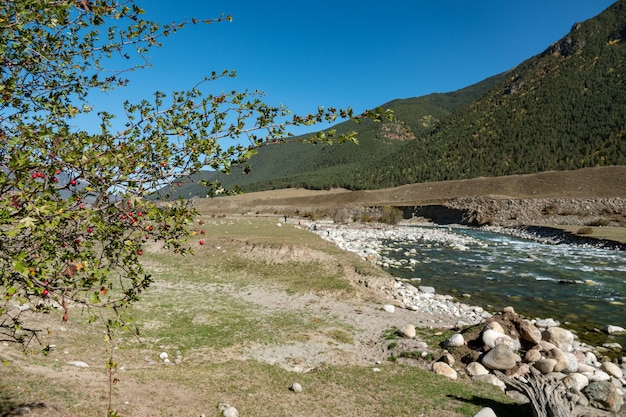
{"type": "Point", "coordinates": [315, 228]}
{"type": "Point", "coordinates": [285, 218]}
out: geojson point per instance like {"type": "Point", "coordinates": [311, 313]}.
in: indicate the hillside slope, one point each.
{"type": "Point", "coordinates": [560, 110]}
{"type": "Point", "coordinates": [296, 164]}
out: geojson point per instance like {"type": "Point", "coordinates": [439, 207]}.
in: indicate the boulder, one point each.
{"type": "Point", "coordinates": [584, 368]}
{"type": "Point", "coordinates": [560, 337]}
{"type": "Point", "coordinates": [545, 366]}
{"type": "Point", "coordinates": [491, 338]}
{"type": "Point", "coordinates": [447, 358]}
{"type": "Point", "coordinates": [408, 331]}
{"type": "Point", "coordinates": [603, 395]}
{"type": "Point", "coordinates": [531, 356]}
{"type": "Point", "coordinates": [501, 357]}
{"type": "Point", "coordinates": [426, 289]}
{"type": "Point", "coordinates": [610, 329]}
{"type": "Point", "coordinates": [494, 325]}
{"type": "Point", "coordinates": [546, 346]}
{"type": "Point", "coordinates": [562, 361]}
{"type": "Point", "coordinates": [475, 368]}
{"type": "Point", "coordinates": [529, 332]}
{"type": "Point", "coordinates": [455, 340]}
{"type": "Point", "coordinates": [599, 375]}
{"type": "Point", "coordinates": [444, 369]}
{"type": "Point", "coordinates": [572, 365]}
{"type": "Point", "coordinates": [575, 380]}
{"type": "Point", "coordinates": [485, 412]}
{"type": "Point", "coordinates": [508, 310]}
{"type": "Point", "coordinates": [546, 323]}
{"type": "Point", "coordinates": [612, 369]}
{"type": "Point", "coordinates": [230, 412]}
{"type": "Point", "coordinates": [389, 308]}
{"type": "Point", "coordinates": [490, 379]}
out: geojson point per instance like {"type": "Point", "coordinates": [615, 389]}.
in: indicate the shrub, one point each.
{"type": "Point", "coordinates": [390, 215]}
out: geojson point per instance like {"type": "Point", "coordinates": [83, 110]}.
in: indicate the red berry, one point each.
{"type": "Point", "coordinates": [55, 179]}
{"type": "Point", "coordinates": [201, 242]}
{"type": "Point", "coordinates": [73, 181]}
{"type": "Point", "coordinates": [89, 230]}
{"type": "Point", "coordinates": [45, 293]}
{"type": "Point", "coordinates": [139, 252]}
{"type": "Point", "coordinates": [202, 231]}
{"type": "Point", "coordinates": [180, 184]}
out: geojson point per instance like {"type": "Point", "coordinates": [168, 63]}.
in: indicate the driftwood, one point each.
{"type": "Point", "coordinates": [548, 398]}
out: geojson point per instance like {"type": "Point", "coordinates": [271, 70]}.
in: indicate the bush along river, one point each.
{"type": "Point", "coordinates": [582, 286]}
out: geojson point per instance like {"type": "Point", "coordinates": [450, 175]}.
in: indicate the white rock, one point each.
{"type": "Point", "coordinates": [610, 329]}
{"type": "Point", "coordinates": [408, 331]}
{"type": "Point", "coordinates": [295, 387]}
{"type": "Point", "coordinates": [455, 340]}
{"type": "Point", "coordinates": [476, 368]}
{"type": "Point", "coordinates": [560, 337]}
{"type": "Point", "coordinates": [572, 363]}
{"type": "Point", "coordinates": [485, 412]}
{"type": "Point", "coordinates": [230, 412]}
{"type": "Point", "coordinates": [599, 376]}
{"type": "Point", "coordinates": [490, 379]}
{"type": "Point", "coordinates": [444, 369]}
{"type": "Point", "coordinates": [575, 380]}
{"type": "Point", "coordinates": [489, 337]}
{"type": "Point", "coordinates": [494, 325]}
{"type": "Point", "coordinates": [426, 289]}
{"type": "Point", "coordinates": [163, 355]}
{"type": "Point", "coordinates": [612, 369]}
{"type": "Point", "coordinates": [584, 368]}
{"type": "Point", "coordinates": [78, 364]}
{"type": "Point", "coordinates": [389, 308]}
{"type": "Point", "coordinates": [546, 323]}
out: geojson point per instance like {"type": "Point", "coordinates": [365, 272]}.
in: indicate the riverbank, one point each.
{"type": "Point", "coordinates": [372, 242]}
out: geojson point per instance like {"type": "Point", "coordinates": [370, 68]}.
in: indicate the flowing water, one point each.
{"type": "Point", "coordinates": [582, 286]}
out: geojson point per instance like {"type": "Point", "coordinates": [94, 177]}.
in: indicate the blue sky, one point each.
{"type": "Point", "coordinates": [349, 53]}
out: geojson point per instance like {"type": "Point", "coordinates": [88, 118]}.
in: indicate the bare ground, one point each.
{"type": "Point", "coordinates": [553, 198]}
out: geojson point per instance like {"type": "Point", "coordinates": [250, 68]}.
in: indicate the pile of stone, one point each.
{"type": "Point", "coordinates": [518, 348]}
{"type": "Point", "coordinates": [423, 299]}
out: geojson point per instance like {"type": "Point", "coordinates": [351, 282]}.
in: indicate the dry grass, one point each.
{"type": "Point", "coordinates": [207, 313]}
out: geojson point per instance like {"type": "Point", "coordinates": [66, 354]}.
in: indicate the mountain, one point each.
{"type": "Point", "coordinates": [563, 109]}
{"type": "Point", "coordinates": [296, 164]}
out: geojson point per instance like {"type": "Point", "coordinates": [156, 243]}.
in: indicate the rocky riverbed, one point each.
{"type": "Point", "coordinates": [585, 376]}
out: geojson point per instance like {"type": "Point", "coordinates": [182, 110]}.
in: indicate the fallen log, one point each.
{"type": "Point", "coordinates": [548, 398]}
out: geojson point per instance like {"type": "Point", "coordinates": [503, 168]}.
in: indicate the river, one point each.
{"type": "Point", "coordinates": [580, 285]}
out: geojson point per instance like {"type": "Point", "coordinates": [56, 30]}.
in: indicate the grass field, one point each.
{"type": "Point", "coordinates": [254, 298]}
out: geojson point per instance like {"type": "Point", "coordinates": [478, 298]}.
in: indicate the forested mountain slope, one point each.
{"type": "Point", "coordinates": [560, 110]}
{"type": "Point", "coordinates": [325, 166]}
